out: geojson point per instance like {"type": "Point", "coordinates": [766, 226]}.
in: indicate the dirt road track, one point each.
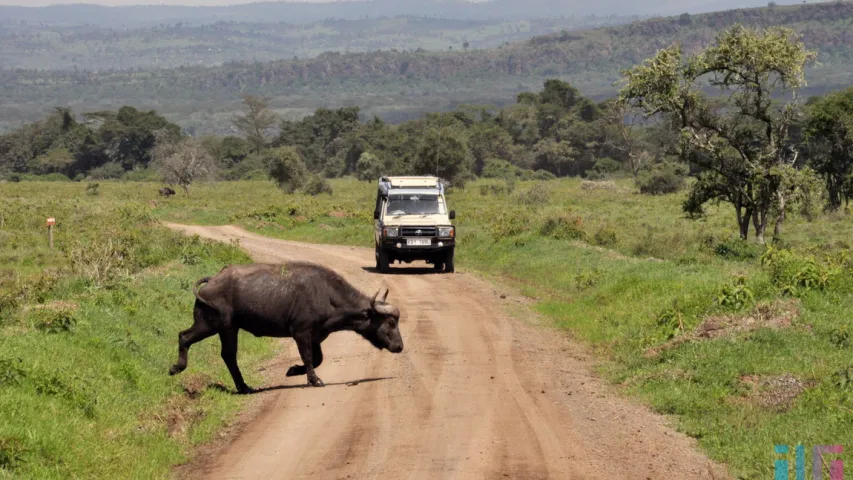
{"type": "Point", "coordinates": [477, 393]}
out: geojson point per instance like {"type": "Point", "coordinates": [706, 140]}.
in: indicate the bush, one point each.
{"type": "Point", "coordinates": [499, 169]}
{"type": "Point", "coordinates": [287, 168]}
{"type": "Point", "coordinates": [250, 168]}
{"type": "Point", "coordinates": [368, 168]}
{"type": "Point", "coordinates": [662, 178]}
{"type": "Point", "coordinates": [543, 175]}
{"type": "Point", "coordinates": [536, 196]}
{"type": "Point", "coordinates": [92, 189]}
{"type": "Point", "coordinates": [107, 171]}
{"type": "Point", "coordinates": [736, 249]}
{"type": "Point", "coordinates": [317, 185]}
{"type": "Point", "coordinates": [564, 227]}
{"type": "Point", "coordinates": [605, 237]}
{"type": "Point", "coordinates": [604, 168]}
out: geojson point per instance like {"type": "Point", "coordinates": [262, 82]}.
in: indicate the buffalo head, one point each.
{"type": "Point", "coordinates": [381, 327]}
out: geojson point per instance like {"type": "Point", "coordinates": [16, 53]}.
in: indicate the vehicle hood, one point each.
{"type": "Point", "coordinates": [417, 220]}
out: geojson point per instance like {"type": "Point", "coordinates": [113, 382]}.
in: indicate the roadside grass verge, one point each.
{"type": "Point", "coordinates": [87, 334]}
{"type": "Point", "coordinates": [745, 348]}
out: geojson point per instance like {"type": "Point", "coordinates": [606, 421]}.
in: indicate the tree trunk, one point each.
{"type": "Point", "coordinates": [743, 216]}
{"type": "Point", "coordinates": [777, 228]}
{"type": "Point", "coordinates": [759, 220]}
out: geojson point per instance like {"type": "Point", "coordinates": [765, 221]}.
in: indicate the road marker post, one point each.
{"type": "Point", "coordinates": [51, 222]}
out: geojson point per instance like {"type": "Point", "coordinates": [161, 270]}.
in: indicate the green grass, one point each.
{"type": "Point", "coordinates": [627, 275]}
{"type": "Point", "coordinates": [84, 353]}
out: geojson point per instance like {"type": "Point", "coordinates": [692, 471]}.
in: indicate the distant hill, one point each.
{"type": "Point", "coordinates": [300, 12]}
{"type": "Point", "coordinates": [396, 85]}
{"type": "Point", "coordinates": [56, 47]}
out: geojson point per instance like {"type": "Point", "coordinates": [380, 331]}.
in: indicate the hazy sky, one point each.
{"type": "Point", "coordinates": [41, 3]}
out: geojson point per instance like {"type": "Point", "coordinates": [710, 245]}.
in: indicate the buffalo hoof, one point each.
{"type": "Point", "coordinates": [316, 382]}
{"type": "Point", "coordinates": [176, 369]}
{"type": "Point", "coordinates": [295, 371]}
{"type": "Point", "coordinates": [245, 390]}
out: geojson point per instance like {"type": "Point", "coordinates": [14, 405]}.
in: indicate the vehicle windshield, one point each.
{"type": "Point", "coordinates": [414, 204]}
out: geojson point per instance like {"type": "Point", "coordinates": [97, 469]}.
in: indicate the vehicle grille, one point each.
{"type": "Point", "coordinates": [414, 231]}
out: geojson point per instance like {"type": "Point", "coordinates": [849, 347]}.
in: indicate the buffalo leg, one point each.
{"type": "Point", "coordinates": [229, 356]}
{"type": "Point", "coordinates": [317, 356]}
{"type": "Point", "coordinates": [304, 343]}
{"type": "Point", "coordinates": [198, 332]}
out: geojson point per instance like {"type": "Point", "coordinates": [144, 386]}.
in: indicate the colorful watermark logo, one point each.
{"type": "Point", "coordinates": [820, 464]}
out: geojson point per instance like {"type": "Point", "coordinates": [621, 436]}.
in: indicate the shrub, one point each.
{"type": "Point", "coordinates": [92, 189]}
{"type": "Point", "coordinates": [662, 178]}
{"type": "Point", "coordinates": [250, 168]}
{"type": "Point", "coordinates": [499, 169]}
{"type": "Point", "coordinates": [536, 196]}
{"type": "Point", "coordinates": [736, 249]}
{"type": "Point", "coordinates": [543, 175]}
{"type": "Point", "coordinates": [287, 168]}
{"type": "Point", "coordinates": [317, 185]}
{"type": "Point", "coordinates": [603, 168]}
{"type": "Point", "coordinates": [507, 222]}
{"type": "Point", "coordinates": [107, 171]}
{"type": "Point", "coordinates": [368, 168]}
{"type": "Point", "coordinates": [564, 228]}
{"type": "Point", "coordinates": [605, 237]}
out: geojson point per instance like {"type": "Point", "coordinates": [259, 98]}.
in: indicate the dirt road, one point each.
{"type": "Point", "coordinates": [477, 393]}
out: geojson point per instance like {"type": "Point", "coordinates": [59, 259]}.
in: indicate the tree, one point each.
{"type": "Point", "coordinates": [557, 157]}
{"type": "Point", "coordinates": [181, 162]}
{"type": "Point", "coordinates": [368, 168]}
{"type": "Point", "coordinates": [741, 138]}
{"type": "Point", "coordinates": [256, 122]}
{"type": "Point", "coordinates": [829, 133]}
{"type": "Point", "coordinates": [443, 152]}
{"type": "Point", "coordinates": [287, 168]}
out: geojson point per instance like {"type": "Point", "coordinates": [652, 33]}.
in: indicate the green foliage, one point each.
{"type": "Point", "coordinates": [737, 295]}
{"type": "Point", "coordinates": [796, 274]}
{"type": "Point", "coordinates": [604, 168]}
{"type": "Point", "coordinates": [605, 237]}
{"type": "Point", "coordinates": [107, 171]}
{"type": "Point", "coordinates": [564, 227]}
{"type": "Point", "coordinates": [286, 168]}
{"type": "Point", "coordinates": [736, 249]}
{"type": "Point", "coordinates": [317, 185]}
{"type": "Point", "coordinates": [742, 147]}
{"type": "Point", "coordinates": [662, 178]}
{"type": "Point", "coordinates": [368, 168]}
{"type": "Point", "coordinates": [829, 132]}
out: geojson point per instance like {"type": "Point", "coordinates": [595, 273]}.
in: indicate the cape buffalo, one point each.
{"type": "Point", "coordinates": [165, 192]}
{"type": "Point", "coordinates": [301, 300]}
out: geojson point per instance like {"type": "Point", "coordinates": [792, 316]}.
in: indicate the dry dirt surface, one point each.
{"type": "Point", "coordinates": [478, 392]}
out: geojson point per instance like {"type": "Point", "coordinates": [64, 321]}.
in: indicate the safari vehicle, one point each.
{"type": "Point", "coordinates": [412, 223]}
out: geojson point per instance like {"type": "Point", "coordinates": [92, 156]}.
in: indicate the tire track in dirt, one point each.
{"type": "Point", "coordinates": [475, 394]}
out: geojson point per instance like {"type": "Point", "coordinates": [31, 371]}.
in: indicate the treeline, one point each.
{"type": "Point", "coordinates": [555, 132]}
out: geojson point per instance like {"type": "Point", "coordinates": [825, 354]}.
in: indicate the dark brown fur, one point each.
{"type": "Point", "coordinates": [165, 192]}
{"type": "Point", "coordinates": [301, 300]}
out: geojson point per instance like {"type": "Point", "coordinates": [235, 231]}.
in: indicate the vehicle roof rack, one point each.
{"type": "Point", "coordinates": [387, 183]}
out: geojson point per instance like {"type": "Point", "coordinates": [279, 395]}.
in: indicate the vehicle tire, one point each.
{"type": "Point", "coordinates": [448, 262]}
{"type": "Point", "coordinates": [382, 261]}
{"type": "Point", "coordinates": [438, 265]}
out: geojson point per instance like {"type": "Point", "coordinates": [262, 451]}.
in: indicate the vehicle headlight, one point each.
{"type": "Point", "coordinates": [392, 231]}
{"type": "Point", "coordinates": [446, 232]}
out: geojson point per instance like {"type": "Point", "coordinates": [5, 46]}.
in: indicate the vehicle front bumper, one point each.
{"type": "Point", "coordinates": [390, 245]}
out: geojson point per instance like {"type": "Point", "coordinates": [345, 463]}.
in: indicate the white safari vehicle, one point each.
{"type": "Point", "coordinates": [412, 222]}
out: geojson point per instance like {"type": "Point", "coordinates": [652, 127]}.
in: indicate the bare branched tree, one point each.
{"type": "Point", "coordinates": [182, 162]}
{"type": "Point", "coordinates": [257, 121]}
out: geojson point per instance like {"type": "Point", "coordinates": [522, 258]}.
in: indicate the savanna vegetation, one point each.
{"type": "Point", "coordinates": [401, 85]}
{"type": "Point", "coordinates": [645, 239]}
{"type": "Point", "coordinates": [88, 331]}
